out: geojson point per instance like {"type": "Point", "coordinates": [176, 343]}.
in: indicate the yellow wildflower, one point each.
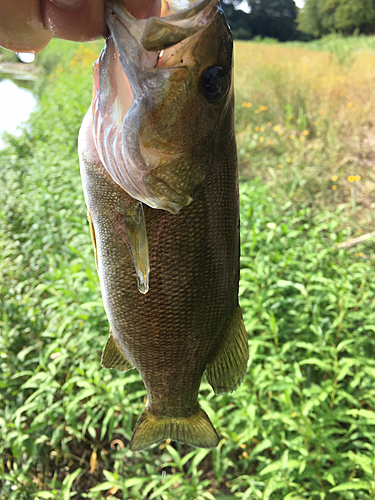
{"type": "Point", "coordinates": [280, 165]}
{"type": "Point", "coordinates": [281, 134]}
{"type": "Point", "coordinates": [316, 123]}
{"type": "Point", "coordinates": [246, 104]}
{"type": "Point", "coordinates": [262, 128]}
{"type": "Point", "coordinates": [334, 178]}
{"type": "Point", "coordinates": [349, 105]}
{"type": "Point", "coordinates": [357, 178]}
{"type": "Point", "coordinates": [270, 124]}
{"type": "Point", "coordinates": [256, 129]}
{"type": "Point", "coordinates": [322, 112]}
{"type": "Point", "coordinates": [351, 178]}
{"type": "Point", "coordinates": [261, 139]}
{"type": "Point", "coordinates": [289, 160]}
{"type": "Point", "coordinates": [277, 128]}
{"type": "Point", "coordinates": [334, 187]}
{"type": "Point", "coordinates": [292, 137]}
{"type": "Point", "coordinates": [305, 132]}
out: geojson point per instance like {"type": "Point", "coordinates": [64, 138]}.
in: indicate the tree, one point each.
{"type": "Point", "coordinates": [239, 22]}
{"type": "Point", "coordinates": [354, 14]}
{"type": "Point", "coordinates": [309, 19]}
{"type": "Point", "coordinates": [273, 18]}
{"type": "Point", "coordinates": [267, 18]}
{"type": "Point", "coordinates": [320, 17]}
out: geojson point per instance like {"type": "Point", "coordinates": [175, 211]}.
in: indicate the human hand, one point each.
{"type": "Point", "coordinates": [28, 25]}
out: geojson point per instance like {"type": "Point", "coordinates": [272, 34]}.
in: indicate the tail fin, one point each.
{"type": "Point", "coordinates": [196, 430]}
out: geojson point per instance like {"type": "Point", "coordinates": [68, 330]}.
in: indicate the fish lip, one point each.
{"type": "Point", "coordinates": [155, 34]}
{"type": "Point", "coordinates": [182, 15]}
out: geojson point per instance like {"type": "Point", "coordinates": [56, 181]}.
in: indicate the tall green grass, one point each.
{"type": "Point", "coordinates": [302, 425]}
{"type": "Point", "coordinates": [305, 124]}
{"type": "Point", "coordinates": [339, 44]}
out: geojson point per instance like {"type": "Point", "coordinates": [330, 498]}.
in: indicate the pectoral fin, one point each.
{"type": "Point", "coordinates": [135, 227]}
{"type": "Point", "coordinates": [113, 357]}
{"type": "Point", "coordinates": [93, 238]}
{"type": "Point", "coordinates": [226, 372]}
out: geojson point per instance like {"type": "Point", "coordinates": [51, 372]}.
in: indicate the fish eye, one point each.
{"type": "Point", "coordinates": [214, 83]}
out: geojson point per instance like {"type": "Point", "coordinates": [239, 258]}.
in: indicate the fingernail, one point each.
{"type": "Point", "coordinates": [67, 4]}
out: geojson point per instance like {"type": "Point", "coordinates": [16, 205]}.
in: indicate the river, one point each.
{"type": "Point", "coordinates": [16, 100]}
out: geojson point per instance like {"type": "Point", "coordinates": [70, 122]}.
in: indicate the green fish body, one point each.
{"type": "Point", "coordinates": [162, 197]}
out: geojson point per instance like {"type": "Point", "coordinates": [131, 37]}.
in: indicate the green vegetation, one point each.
{"type": "Point", "coordinates": [266, 18]}
{"type": "Point", "coordinates": [7, 55]}
{"type": "Point", "coordinates": [302, 425]}
{"type": "Point", "coordinates": [305, 123]}
{"type": "Point", "coordinates": [282, 19]}
{"type": "Point", "coordinates": [320, 17]}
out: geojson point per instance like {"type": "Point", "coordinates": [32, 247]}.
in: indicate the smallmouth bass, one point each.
{"type": "Point", "coordinates": [159, 171]}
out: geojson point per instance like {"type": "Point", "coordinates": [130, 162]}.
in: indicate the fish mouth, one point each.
{"type": "Point", "coordinates": [132, 80]}
{"type": "Point", "coordinates": [156, 34]}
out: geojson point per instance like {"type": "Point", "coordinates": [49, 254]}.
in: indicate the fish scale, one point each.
{"type": "Point", "coordinates": [189, 320]}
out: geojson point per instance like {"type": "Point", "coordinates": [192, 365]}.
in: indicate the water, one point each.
{"type": "Point", "coordinates": [16, 102]}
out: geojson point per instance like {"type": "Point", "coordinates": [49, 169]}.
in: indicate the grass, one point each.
{"type": "Point", "coordinates": [305, 123]}
{"type": "Point", "coordinates": [302, 423]}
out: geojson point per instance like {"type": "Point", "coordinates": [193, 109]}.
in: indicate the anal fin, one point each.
{"type": "Point", "coordinates": [113, 357]}
{"type": "Point", "coordinates": [135, 227]}
{"type": "Point", "coordinates": [227, 371]}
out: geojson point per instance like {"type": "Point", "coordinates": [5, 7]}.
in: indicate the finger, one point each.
{"type": "Point", "coordinates": [83, 20]}
{"type": "Point", "coordinates": [142, 9]}
{"type": "Point", "coordinates": [28, 25]}
{"type": "Point", "coordinates": [21, 26]}
{"type": "Point", "coordinates": [78, 20]}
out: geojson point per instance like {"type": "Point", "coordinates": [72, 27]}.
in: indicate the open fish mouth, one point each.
{"type": "Point", "coordinates": [145, 88]}
{"type": "Point", "coordinates": [156, 34]}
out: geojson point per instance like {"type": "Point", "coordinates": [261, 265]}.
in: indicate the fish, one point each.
{"type": "Point", "coordinates": [159, 171]}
